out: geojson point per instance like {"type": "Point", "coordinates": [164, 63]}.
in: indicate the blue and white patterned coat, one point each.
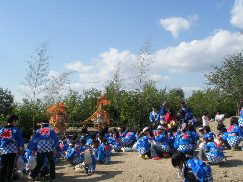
{"type": "Point", "coordinates": [184, 142]}
{"type": "Point", "coordinates": [214, 152]}
{"type": "Point", "coordinates": [163, 141]}
{"type": "Point", "coordinates": [200, 170]}
{"type": "Point", "coordinates": [44, 140]}
{"type": "Point", "coordinates": [235, 135]}
{"type": "Point", "coordinates": [10, 139]}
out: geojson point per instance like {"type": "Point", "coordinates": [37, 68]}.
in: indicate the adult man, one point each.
{"type": "Point", "coordinates": [11, 143]}
{"type": "Point", "coordinates": [44, 143]}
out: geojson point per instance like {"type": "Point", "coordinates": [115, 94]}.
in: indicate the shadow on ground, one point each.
{"type": "Point", "coordinates": [99, 175]}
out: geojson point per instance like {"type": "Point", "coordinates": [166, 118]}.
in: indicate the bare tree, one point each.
{"type": "Point", "coordinates": [141, 68]}
{"type": "Point", "coordinates": [37, 73]}
{"type": "Point", "coordinates": [56, 85]}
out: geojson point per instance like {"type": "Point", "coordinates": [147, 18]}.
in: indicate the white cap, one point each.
{"type": "Point", "coordinates": [145, 129]}
{"type": "Point", "coordinates": [160, 127]}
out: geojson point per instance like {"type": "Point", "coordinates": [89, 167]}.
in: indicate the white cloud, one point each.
{"type": "Point", "coordinates": [199, 55]}
{"type": "Point", "coordinates": [99, 71]}
{"type": "Point", "coordinates": [193, 56]}
{"type": "Point", "coordinates": [188, 90]}
{"type": "Point", "coordinates": [237, 14]}
{"type": "Point", "coordinates": [79, 67]}
{"type": "Point", "coordinates": [175, 25]}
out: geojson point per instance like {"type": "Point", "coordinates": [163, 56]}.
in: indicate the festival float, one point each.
{"type": "Point", "coordinates": [99, 118]}
{"type": "Point", "coordinates": [58, 118]}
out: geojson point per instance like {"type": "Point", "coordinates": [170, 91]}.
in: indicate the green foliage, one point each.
{"type": "Point", "coordinates": [80, 107]}
{"type": "Point", "coordinates": [228, 77]}
{"type": "Point", "coordinates": [210, 101]}
{"type": "Point", "coordinates": [26, 111]}
{"type": "Point", "coordinates": [174, 97]}
{"type": "Point", "coordinates": [6, 102]}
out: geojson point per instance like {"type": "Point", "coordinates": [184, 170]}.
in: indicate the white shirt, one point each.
{"type": "Point", "coordinates": [205, 120]}
{"type": "Point", "coordinates": [219, 118]}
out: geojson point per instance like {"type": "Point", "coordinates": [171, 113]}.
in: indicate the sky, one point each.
{"type": "Point", "coordinates": [91, 37]}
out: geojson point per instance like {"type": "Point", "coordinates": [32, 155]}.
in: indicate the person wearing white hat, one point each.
{"type": "Point", "coordinates": [160, 147]}
{"type": "Point", "coordinates": [143, 144]}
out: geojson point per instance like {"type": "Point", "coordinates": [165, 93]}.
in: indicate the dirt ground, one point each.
{"type": "Point", "coordinates": [129, 167]}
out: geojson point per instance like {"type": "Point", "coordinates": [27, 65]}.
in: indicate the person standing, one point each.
{"type": "Point", "coordinates": [205, 119]}
{"type": "Point", "coordinates": [219, 117]}
{"type": "Point", "coordinates": [162, 112]}
{"type": "Point", "coordinates": [11, 143]}
{"type": "Point", "coordinates": [153, 116]}
{"type": "Point", "coordinates": [44, 143]}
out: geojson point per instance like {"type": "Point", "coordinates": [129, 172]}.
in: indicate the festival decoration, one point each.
{"type": "Point", "coordinates": [58, 118]}
{"type": "Point", "coordinates": [99, 117]}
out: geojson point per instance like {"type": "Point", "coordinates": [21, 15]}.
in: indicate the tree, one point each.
{"type": "Point", "coordinates": [36, 77]}
{"type": "Point", "coordinates": [37, 72]}
{"type": "Point", "coordinates": [141, 68]}
{"type": "Point", "coordinates": [56, 84]}
{"type": "Point", "coordinates": [113, 93]}
{"type": "Point", "coordinates": [228, 77]}
{"type": "Point", "coordinates": [210, 100]}
{"type": "Point", "coordinates": [6, 102]}
{"type": "Point", "coordinates": [174, 97]}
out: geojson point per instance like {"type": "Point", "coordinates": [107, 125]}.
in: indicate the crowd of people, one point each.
{"type": "Point", "coordinates": [167, 134]}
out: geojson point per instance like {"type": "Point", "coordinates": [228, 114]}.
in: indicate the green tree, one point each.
{"type": "Point", "coordinates": [174, 97]}
{"type": "Point", "coordinates": [210, 101]}
{"type": "Point", "coordinates": [228, 78]}
{"type": "Point", "coordinates": [6, 102]}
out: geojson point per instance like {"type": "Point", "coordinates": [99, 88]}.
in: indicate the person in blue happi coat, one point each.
{"type": "Point", "coordinates": [44, 143]}
{"type": "Point", "coordinates": [162, 112]}
{"type": "Point", "coordinates": [185, 141]}
{"type": "Point", "coordinates": [191, 169]}
{"type": "Point", "coordinates": [11, 144]}
{"type": "Point", "coordinates": [102, 152]}
{"type": "Point", "coordinates": [153, 116]}
{"type": "Point", "coordinates": [234, 133]}
{"type": "Point", "coordinates": [160, 146]}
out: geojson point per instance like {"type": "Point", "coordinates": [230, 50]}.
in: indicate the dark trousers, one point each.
{"type": "Point", "coordinates": [7, 167]}
{"type": "Point", "coordinates": [40, 163]}
{"type": "Point", "coordinates": [156, 150]}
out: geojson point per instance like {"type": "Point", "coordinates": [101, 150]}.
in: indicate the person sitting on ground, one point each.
{"type": "Point", "coordinates": [214, 151]}
{"type": "Point", "coordinates": [129, 139]}
{"type": "Point", "coordinates": [160, 146]}
{"type": "Point", "coordinates": [223, 135]}
{"type": "Point", "coordinates": [143, 144]}
{"type": "Point", "coordinates": [115, 142]}
{"type": "Point", "coordinates": [234, 133]}
{"type": "Point", "coordinates": [101, 152]}
{"type": "Point", "coordinates": [184, 141]}
{"type": "Point", "coordinates": [191, 169]}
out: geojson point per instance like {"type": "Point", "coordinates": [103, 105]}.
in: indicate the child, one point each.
{"type": "Point", "coordinates": [184, 141]}
{"type": "Point", "coordinates": [191, 169]}
{"type": "Point", "coordinates": [214, 152]}
{"type": "Point", "coordinates": [143, 144]}
{"type": "Point", "coordinates": [223, 135]}
{"type": "Point", "coordinates": [234, 133]}
{"type": "Point", "coordinates": [160, 147]}
{"type": "Point", "coordinates": [11, 143]}
{"type": "Point", "coordinates": [205, 119]}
